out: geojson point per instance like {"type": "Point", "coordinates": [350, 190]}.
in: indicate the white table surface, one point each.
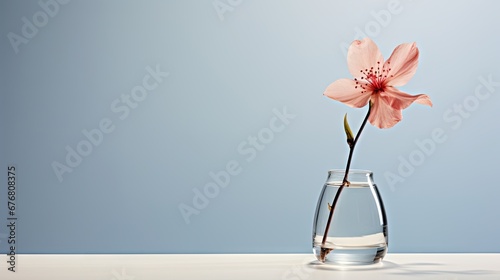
{"type": "Point", "coordinates": [248, 266]}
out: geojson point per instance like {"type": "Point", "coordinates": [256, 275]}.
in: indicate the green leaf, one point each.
{"type": "Point", "coordinates": [348, 131]}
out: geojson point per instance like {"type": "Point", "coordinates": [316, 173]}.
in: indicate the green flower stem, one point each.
{"type": "Point", "coordinates": [345, 182]}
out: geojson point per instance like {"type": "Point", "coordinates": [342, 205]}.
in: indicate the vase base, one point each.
{"type": "Point", "coordinates": [350, 256]}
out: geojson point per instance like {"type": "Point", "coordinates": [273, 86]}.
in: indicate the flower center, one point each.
{"type": "Point", "coordinates": [372, 79]}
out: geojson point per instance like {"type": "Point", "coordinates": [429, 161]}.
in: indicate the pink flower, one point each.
{"type": "Point", "coordinates": [375, 81]}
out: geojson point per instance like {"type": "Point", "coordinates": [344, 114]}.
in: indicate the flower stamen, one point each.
{"type": "Point", "coordinates": [375, 79]}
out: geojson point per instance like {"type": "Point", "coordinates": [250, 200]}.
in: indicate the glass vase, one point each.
{"type": "Point", "coordinates": [357, 231]}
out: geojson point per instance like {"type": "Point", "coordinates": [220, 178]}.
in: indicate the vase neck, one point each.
{"type": "Point", "coordinates": [336, 176]}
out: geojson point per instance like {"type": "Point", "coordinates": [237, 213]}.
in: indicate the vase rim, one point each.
{"type": "Point", "coordinates": [351, 171]}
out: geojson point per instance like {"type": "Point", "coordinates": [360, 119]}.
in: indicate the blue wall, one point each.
{"type": "Point", "coordinates": [118, 114]}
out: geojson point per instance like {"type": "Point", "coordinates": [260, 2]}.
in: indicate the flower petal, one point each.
{"type": "Point", "coordinates": [345, 91]}
{"type": "Point", "coordinates": [362, 55]}
{"type": "Point", "coordinates": [400, 100]}
{"type": "Point", "coordinates": [402, 64]}
{"type": "Point", "coordinates": [382, 115]}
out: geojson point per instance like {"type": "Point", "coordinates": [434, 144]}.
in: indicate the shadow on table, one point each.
{"type": "Point", "coordinates": [397, 269]}
{"type": "Point", "coordinates": [420, 269]}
